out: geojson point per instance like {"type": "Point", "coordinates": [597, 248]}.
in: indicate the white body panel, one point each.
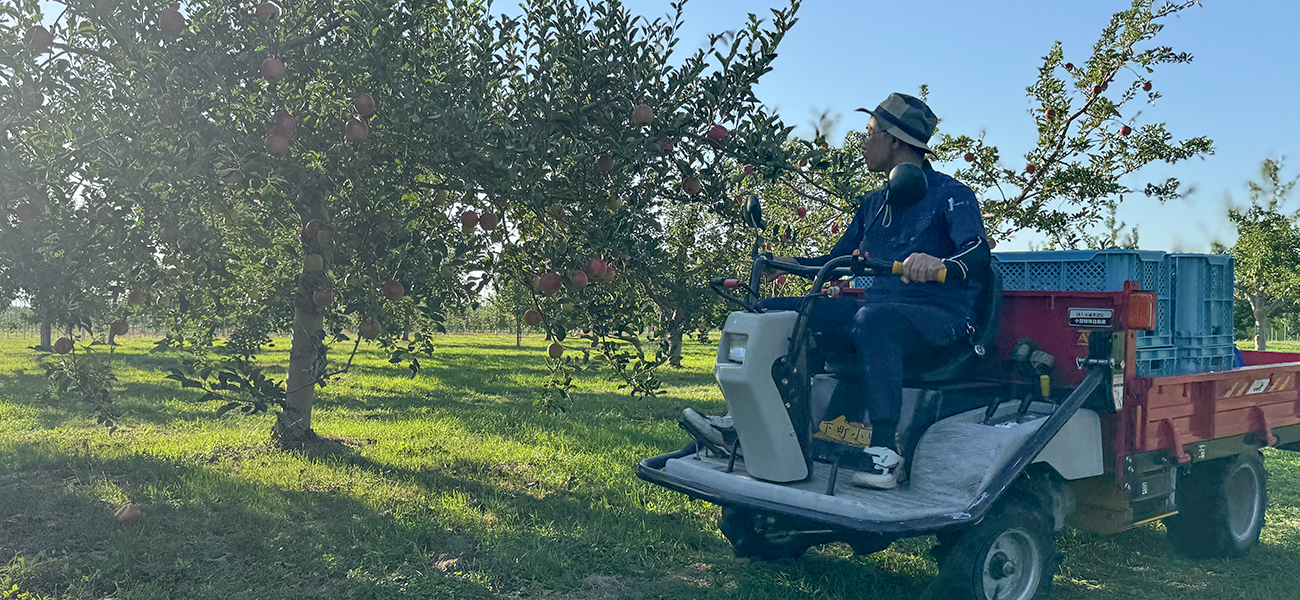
{"type": "Point", "coordinates": [767, 437]}
{"type": "Point", "coordinates": [1075, 450]}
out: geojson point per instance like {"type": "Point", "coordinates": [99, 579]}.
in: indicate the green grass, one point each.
{"type": "Point", "coordinates": [452, 485]}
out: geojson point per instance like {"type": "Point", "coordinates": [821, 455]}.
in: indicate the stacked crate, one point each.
{"type": "Point", "coordinates": [1193, 331]}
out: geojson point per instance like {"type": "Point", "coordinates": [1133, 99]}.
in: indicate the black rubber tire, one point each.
{"type": "Point", "coordinates": [1221, 507]}
{"type": "Point", "coordinates": [1013, 545]}
{"type": "Point", "coordinates": [748, 541]}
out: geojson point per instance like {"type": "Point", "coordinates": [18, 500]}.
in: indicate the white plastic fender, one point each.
{"type": "Point", "coordinates": [1075, 450]}
{"type": "Point", "coordinates": [768, 442]}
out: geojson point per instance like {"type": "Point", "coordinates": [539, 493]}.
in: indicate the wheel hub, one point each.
{"type": "Point", "coordinates": [1012, 566]}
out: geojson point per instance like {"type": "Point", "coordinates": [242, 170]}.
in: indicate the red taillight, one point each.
{"type": "Point", "coordinates": [1141, 312]}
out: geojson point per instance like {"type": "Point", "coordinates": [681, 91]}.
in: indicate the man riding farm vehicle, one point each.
{"type": "Point", "coordinates": [986, 399]}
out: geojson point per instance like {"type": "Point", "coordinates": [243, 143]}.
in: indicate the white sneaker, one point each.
{"type": "Point", "coordinates": [703, 426]}
{"type": "Point", "coordinates": [885, 471]}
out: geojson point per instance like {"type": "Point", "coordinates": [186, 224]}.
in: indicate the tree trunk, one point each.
{"type": "Point", "coordinates": [675, 341]}
{"type": "Point", "coordinates": [519, 332]}
{"type": "Point", "coordinates": [112, 337]}
{"type": "Point", "coordinates": [1261, 323]}
{"type": "Point", "coordinates": [406, 329]}
{"type": "Point", "coordinates": [306, 351]}
{"type": "Point", "coordinates": [47, 335]}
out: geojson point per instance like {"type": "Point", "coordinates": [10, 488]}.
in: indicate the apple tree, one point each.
{"type": "Point", "coordinates": [611, 131]}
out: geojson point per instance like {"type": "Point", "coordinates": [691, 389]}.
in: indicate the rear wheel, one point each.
{"type": "Point", "coordinates": [1009, 555]}
{"type": "Point", "coordinates": [758, 537]}
{"type": "Point", "coordinates": [1220, 508]}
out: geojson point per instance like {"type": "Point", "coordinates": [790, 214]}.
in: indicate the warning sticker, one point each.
{"type": "Point", "coordinates": [1092, 317]}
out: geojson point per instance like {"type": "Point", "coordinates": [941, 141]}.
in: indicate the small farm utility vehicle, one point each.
{"type": "Point", "coordinates": [1100, 390]}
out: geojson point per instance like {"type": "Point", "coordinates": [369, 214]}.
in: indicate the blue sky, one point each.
{"type": "Point", "coordinates": [1241, 89]}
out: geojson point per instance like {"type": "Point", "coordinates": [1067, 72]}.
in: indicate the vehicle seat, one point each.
{"type": "Point", "coordinates": [951, 362]}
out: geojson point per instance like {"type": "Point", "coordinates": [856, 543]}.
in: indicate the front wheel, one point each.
{"type": "Point", "coordinates": [1009, 555]}
{"type": "Point", "coordinates": [1220, 508]}
{"type": "Point", "coordinates": [758, 537]}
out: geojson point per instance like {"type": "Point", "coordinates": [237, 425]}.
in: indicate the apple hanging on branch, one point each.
{"type": "Point", "coordinates": [393, 289]}
{"type": "Point", "coordinates": [38, 38]}
{"type": "Point", "coordinates": [364, 105]}
{"type": "Point", "coordinates": [266, 11]}
{"type": "Point", "coordinates": [273, 70]}
{"type": "Point", "coordinates": [171, 21]}
{"type": "Point", "coordinates": [356, 130]}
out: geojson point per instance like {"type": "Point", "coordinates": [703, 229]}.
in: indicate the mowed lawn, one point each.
{"type": "Point", "coordinates": [453, 485]}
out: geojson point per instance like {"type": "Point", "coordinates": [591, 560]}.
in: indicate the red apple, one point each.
{"type": "Point", "coordinates": [173, 273]}
{"type": "Point", "coordinates": [325, 238]}
{"type": "Point", "coordinates": [716, 135]}
{"type": "Point", "coordinates": [1030, 168]}
{"type": "Point", "coordinates": [555, 350]}
{"type": "Point", "coordinates": [120, 327]}
{"type": "Point", "coordinates": [356, 130]}
{"type": "Point", "coordinates": [748, 169]}
{"type": "Point", "coordinates": [556, 212]}
{"type": "Point", "coordinates": [277, 145]}
{"type": "Point", "coordinates": [692, 185]}
{"type": "Point", "coordinates": [322, 297]}
{"type": "Point", "coordinates": [25, 211]}
{"type": "Point", "coordinates": [365, 105]}
{"type": "Point", "coordinates": [1096, 89]}
{"type": "Point", "coordinates": [168, 235]}
{"type": "Point", "coordinates": [163, 301]}
{"type": "Point", "coordinates": [608, 275]}
{"type": "Point", "coordinates": [1050, 114]}
{"type": "Point", "coordinates": [129, 514]}
{"type": "Point", "coordinates": [801, 211]}
{"type": "Point", "coordinates": [369, 329]}
{"type": "Point", "coordinates": [1069, 66]}
{"type": "Point", "coordinates": [605, 163]}
{"type": "Point", "coordinates": [383, 227]}
{"type": "Point", "coordinates": [393, 289]}
{"type": "Point", "coordinates": [468, 219]}
{"type": "Point", "coordinates": [532, 317]}
{"type": "Point", "coordinates": [780, 280]}
{"type": "Point", "coordinates": [969, 156]}
{"type": "Point", "coordinates": [135, 297]}
{"type": "Point", "coordinates": [313, 227]}
{"type": "Point", "coordinates": [313, 262]}
{"type": "Point", "coordinates": [578, 280]}
{"type": "Point", "coordinates": [643, 114]}
{"type": "Point", "coordinates": [266, 11]}
{"type": "Point", "coordinates": [63, 345]}
{"type": "Point", "coordinates": [549, 283]}
{"type": "Point", "coordinates": [273, 70]}
{"type": "Point", "coordinates": [283, 123]}
{"type": "Point", "coordinates": [171, 21]}
{"type": "Point", "coordinates": [39, 38]}
{"type": "Point", "coordinates": [488, 221]}
{"type": "Point", "coordinates": [596, 267]}
{"type": "Point", "coordinates": [666, 145]}
{"type": "Point", "coordinates": [835, 228]}
{"type": "Point", "coordinates": [1104, 85]}
{"type": "Point", "coordinates": [1146, 86]}
{"type": "Point", "coordinates": [1125, 130]}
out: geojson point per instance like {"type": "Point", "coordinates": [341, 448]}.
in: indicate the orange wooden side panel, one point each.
{"type": "Point", "coordinates": [1191, 408]}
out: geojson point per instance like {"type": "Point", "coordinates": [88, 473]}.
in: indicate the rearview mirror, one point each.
{"type": "Point", "coordinates": [754, 212]}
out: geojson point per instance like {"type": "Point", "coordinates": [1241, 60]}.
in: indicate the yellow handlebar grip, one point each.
{"type": "Point", "coordinates": [1045, 382]}
{"type": "Point", "coordinates": [941, 276]}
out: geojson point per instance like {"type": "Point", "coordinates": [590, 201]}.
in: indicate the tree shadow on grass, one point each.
{"type": "Point", "coordinates": [206, 534]}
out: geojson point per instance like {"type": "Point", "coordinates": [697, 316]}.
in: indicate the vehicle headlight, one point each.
{"type": "Point", "coordinates": [736, 347]}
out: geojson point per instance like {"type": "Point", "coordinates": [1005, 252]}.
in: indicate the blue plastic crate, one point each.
{"type": "Point", "coordinates": [1095, 271]}
{"type": "Point", "coordinates": [1202, 297]}
{"type": "Point", "coordinates": [1157, 362]}
{"type": "Point", "coordinates": [1079, 270]}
